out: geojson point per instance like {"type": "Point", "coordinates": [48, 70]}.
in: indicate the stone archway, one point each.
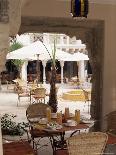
{"type": "Point", "coordinates": [90, 32]}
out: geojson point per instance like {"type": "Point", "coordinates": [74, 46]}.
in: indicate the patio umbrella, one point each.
{"type": "Point", "coordinates": [37, 51]}
{"type": "Point", "coordinates": [77, 57]}
{"type": "Point", "coordinates": [31, 51]}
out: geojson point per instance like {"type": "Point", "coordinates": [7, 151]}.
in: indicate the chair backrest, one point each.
{"type": "Point", "coordinates": [87, 143]}
{"type": "Point", "coordinates": [87, 95]}
{"type": "Point", "coordinates": [40, 92]}
{"type": "Point", "coordinates": [111, 121]}
{"type": "Point", "coordinates": [37, 110]}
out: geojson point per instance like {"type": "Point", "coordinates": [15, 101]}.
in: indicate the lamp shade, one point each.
{"type": "Point", "coordinates": [79, 8]}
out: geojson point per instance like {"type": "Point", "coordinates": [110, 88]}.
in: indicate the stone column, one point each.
{"type": "Point", "coordinates": [24, 71]}
{"type": "Point", "coordinates": [44, 71]}
{"type": "Point", "coordinates": [61, 42]}
{"type": "Point", "coordinates": [68, 40]}
{"type": "Point", "coordinates": [62, 65]}
{"type": "Point", "coordinates": [4, 36]}
{"type": "Point", "coordinates": [81, 70]}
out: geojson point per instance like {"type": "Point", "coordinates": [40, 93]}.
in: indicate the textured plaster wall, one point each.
{"type": "Point", "coordinates": [107, 13]}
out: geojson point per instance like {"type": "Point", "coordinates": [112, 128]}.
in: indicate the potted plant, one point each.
{"type": "Point", "coordinates": [10, 127]}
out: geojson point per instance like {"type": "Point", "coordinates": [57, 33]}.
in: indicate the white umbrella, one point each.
{"type": "Point", "coordinates": [77, 57]}
{"type": "Point", "coordinates": [30, 52]}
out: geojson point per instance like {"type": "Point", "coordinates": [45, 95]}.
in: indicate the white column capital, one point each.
{"type": "Point", "coordinates": [62, 63]}
{"type": "Point", "coordinates": [44, 63]}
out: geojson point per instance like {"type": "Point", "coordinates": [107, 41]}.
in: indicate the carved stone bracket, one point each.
{"type": "Point", "coordinates": [4, 10]}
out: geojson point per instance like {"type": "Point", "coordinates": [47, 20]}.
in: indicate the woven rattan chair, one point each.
{"type": "Point", "coordinates": [22, 92]}
{"type": "Point", "coordinates": [87, 99]}
{"type": "Point", "coordinates": [87, 143]}
{"type": "Point", "coordinates": [39, 94]}
{"type": "Point", "coordinates": [34, 111]}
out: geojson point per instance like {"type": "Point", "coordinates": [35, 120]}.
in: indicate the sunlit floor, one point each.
{"type": "Point", "coordinates": [8, 104]}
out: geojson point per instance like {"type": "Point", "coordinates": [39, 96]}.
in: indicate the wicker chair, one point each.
{"type": "Point", "coordinates": [34, 111]}
{"type": "Point", "coordinates": [85, 144]}
{"type": "Point", "coordinates": [39, 94]}
{"type": "Point", "coordinates": [87, 97]}
{"type": "Point", "coordinates": [22, 92]}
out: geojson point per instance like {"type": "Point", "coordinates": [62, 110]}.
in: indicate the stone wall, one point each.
{"type": "Point", "coordinates": [10, 20]}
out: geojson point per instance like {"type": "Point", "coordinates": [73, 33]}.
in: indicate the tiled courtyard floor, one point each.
{"type": "Point", "coordinates": [8, 104]}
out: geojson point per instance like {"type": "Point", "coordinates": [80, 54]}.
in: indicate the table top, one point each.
{"type": "Point", "coordinates": [63, 129]}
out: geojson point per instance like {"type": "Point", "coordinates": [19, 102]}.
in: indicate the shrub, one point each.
{"type": "Point", "coordinates": [10, 127]}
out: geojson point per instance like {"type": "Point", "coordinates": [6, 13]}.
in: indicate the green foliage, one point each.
{"type": "Point", "coordinates": [14, 46]}
{"type": "Point", "coordinates": [18, 63]}
{"type": "Point", "coordinates": [10, 127]}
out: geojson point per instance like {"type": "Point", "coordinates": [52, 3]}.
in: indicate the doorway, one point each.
{"type": "Point", "coordinates": [90, 32]}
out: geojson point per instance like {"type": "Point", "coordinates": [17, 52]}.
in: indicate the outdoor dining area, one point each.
{"type": "Point", "coordinates": [43, 123]}
{"type": "Point", "coordinates": [44, 118]}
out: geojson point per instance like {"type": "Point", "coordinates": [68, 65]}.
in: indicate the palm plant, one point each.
{"type": "Point", "coordinates": [53, 94]}
{"type": "Point", "coordinates": [17, 62]}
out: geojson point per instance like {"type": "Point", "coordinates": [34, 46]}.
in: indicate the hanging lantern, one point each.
{"type": "Point", "coordinates": [79, 8]}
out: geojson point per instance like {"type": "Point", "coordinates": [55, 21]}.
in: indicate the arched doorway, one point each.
{"type": "Point", "coordinates": [90, 32]}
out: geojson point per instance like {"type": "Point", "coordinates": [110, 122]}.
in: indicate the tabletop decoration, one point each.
{"type": "Point", "coordinates": [48, 114]}
{"type": "Point", "coordinates": [43, 121]}
{"type": "Point", "coordinates": [71, 123]}
{"type": "Point", "coordinates": [54, 126]}
{"type": "Point", "coordinates": [59, 118]}
{"type": "Point", "coordinates": [66, 114]}
{"type": "Point", "coordinates": [53, 115]}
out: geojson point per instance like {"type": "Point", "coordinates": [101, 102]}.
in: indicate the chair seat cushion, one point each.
{"type": "Point", "coordinates": [62, 152]}
{"type": "Point", "coordinates": [24, 95]}
{"type": "Point", "coordinates": [18, 148]}
{"type": "Point", "coordinates": [111, 139]}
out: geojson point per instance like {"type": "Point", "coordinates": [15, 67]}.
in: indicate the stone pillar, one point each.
{"type": "Point", "coordinates": [24, 71]}
{"type": "Point", "coordinates": [44, 71]}
{"type": "Point", "coordinates": [62, 65]}
{"type": "Point", "coordinates": [61, 42]}
{"type": "Point", "coordinates": [81, 70]}
{"type": "Point", "coordinates": [68, 40]}
{"type": "Point", "coordinates": [4, 36]}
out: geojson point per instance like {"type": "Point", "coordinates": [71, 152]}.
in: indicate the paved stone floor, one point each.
{"type": "Point", "coordinates": [8, 104]}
